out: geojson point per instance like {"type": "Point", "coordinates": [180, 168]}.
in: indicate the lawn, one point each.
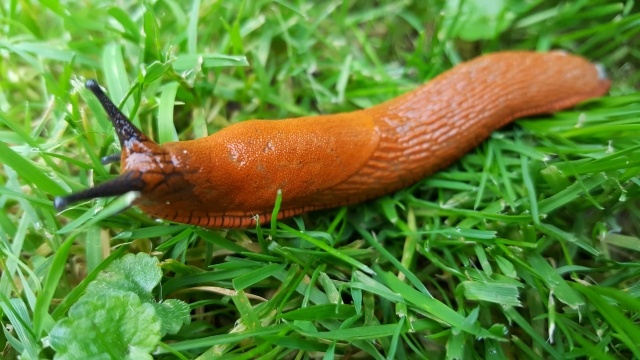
{"type": "Point", "coordinates": [527, 247]}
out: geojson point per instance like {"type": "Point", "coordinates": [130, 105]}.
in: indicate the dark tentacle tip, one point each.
{"type": "Point", "coordinates": [60, 203]}
{"type": "Point", "coordinates": [92, 85]}
{"type": "Point", "coordinates": [106, 160]}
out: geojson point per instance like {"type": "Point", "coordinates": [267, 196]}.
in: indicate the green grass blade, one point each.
{"type": "Point", "coordinates": [166, 129]}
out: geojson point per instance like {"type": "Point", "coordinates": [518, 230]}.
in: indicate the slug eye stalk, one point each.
{"type": "Point", "coordinates": [114, 187]}
{"type": "Point", "coordinates": [124, 127]}
{"type": "Point", "coordinates": [129, 136]}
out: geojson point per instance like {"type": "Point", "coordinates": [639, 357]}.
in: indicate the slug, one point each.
{"type": "Point", "coordinates": [231, 178]}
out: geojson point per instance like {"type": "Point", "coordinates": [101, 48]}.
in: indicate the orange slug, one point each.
{"type": "Point", "coordinates": [231, 178]}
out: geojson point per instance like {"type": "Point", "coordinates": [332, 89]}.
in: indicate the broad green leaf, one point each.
{"type": "Point", "coordinates": [112, 326]}
{"type": "Point", "coordinates": [140, 274]}
{"type": "Point", "coordinates": [173, 313]}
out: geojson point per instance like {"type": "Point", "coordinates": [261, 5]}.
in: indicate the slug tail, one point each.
{"type": "Point", "coordinates": [121, 185]}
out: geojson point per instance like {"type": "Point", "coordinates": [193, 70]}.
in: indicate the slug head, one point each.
{"type": "Point", "coordinates": [145, 166]}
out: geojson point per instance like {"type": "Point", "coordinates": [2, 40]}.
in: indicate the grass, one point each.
{"type": "Point", "coordinates": [527, 247]}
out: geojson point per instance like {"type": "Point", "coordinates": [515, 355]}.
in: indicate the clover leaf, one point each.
{"type": "Point", "coordinates": [117, 326]}
{"type": "Point", "coordinates": [140, 274]}
{"type": "Point", "coordinates": [136, 273]}
{"type": "Point", "coordinates": [173, 313]}
{"type": "Point", "coordinates": [118, 317]}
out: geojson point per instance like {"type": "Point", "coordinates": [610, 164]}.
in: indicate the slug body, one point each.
{"type": "Point", "coordinates": [231, 178]}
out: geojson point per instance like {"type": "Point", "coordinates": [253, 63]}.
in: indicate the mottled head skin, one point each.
{"type": "Point", "coordinates": [231, 178]}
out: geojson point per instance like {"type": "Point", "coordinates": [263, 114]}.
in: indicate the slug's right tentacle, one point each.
{"type": "Point", "coordinates": [106, 160]}
{"type": "Point", "coordinates": [124, 127]}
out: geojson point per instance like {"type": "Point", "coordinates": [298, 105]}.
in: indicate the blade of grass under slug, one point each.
{"type": "Point", "coordinates": [592, 349]}
{"type": "Point", "coordinates": [336, 220]}
{"type": "Point", "coordinates": [290, 342]}
{"type": "Point", "coordinates": [393, 348]}
{"type": "Point", "coordinates": [514, 316]}
{"type": "Point", "coordinates": [371, 239]}
{"type": "Point", "coordinates": [506, 181]}
{"type": "Point", "coordinates": [626, 329]}
{"type": "Point", "coordinates": [410, 246]}
{"type": "Point", "coordinates": [215, 239]}
{"type": "Point", "coordinates": [43, 302]}
{"type": "Point", "coordinates": [442, 210]}
{"type": "Point", "coordinates": [580, 182]}
{"type": "Point", "coordinates": [244, 281]}
{"type": "Point", "coordinates": [622, 297]}
{"type": "Point", "coordinates": [294, 277]}
{"type": "Point", "coordinates": [320, 312]}
{"type": "Point", "coordinates": [314, 277]}
{"type": "Point", "coordinates": [337, 253]}
{"type": "Point", "coordinates": [247, 313]}
{"type": "Point", "coordinates": [181, 236]}
{"type": "Point", "coordinates": [488, 161]}
{"type": "Point", "coordinates": [172, 351]}
{"type": "Point", "coordinates": [274, 215]}
{"type": "Point", "coordinates": [27, 340]}
{"type": "Point", "coordinates": [75, 223]}
{"type": "Point", "coordinates": [570, 193]}
{"type": "Point", "coordinates": [431, 305]}
{"type": "Point", "coordinates": [531, 190]}
{"type": "Point", "coordinates": [260, 236]}
{"type": "Point", "coordinates": [99, 213]}
{"type": "Point", "coordinates": [355, 333]}
{"type": "Point", "coordinates": [224, 339]}
{"type": "Point", "coordinates": [525, 348]}
{"type": "Point", "coordinates": [93, 247]}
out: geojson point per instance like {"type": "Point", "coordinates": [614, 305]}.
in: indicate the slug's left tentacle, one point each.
{"type": "Point", "coordinates": [132, 181]}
